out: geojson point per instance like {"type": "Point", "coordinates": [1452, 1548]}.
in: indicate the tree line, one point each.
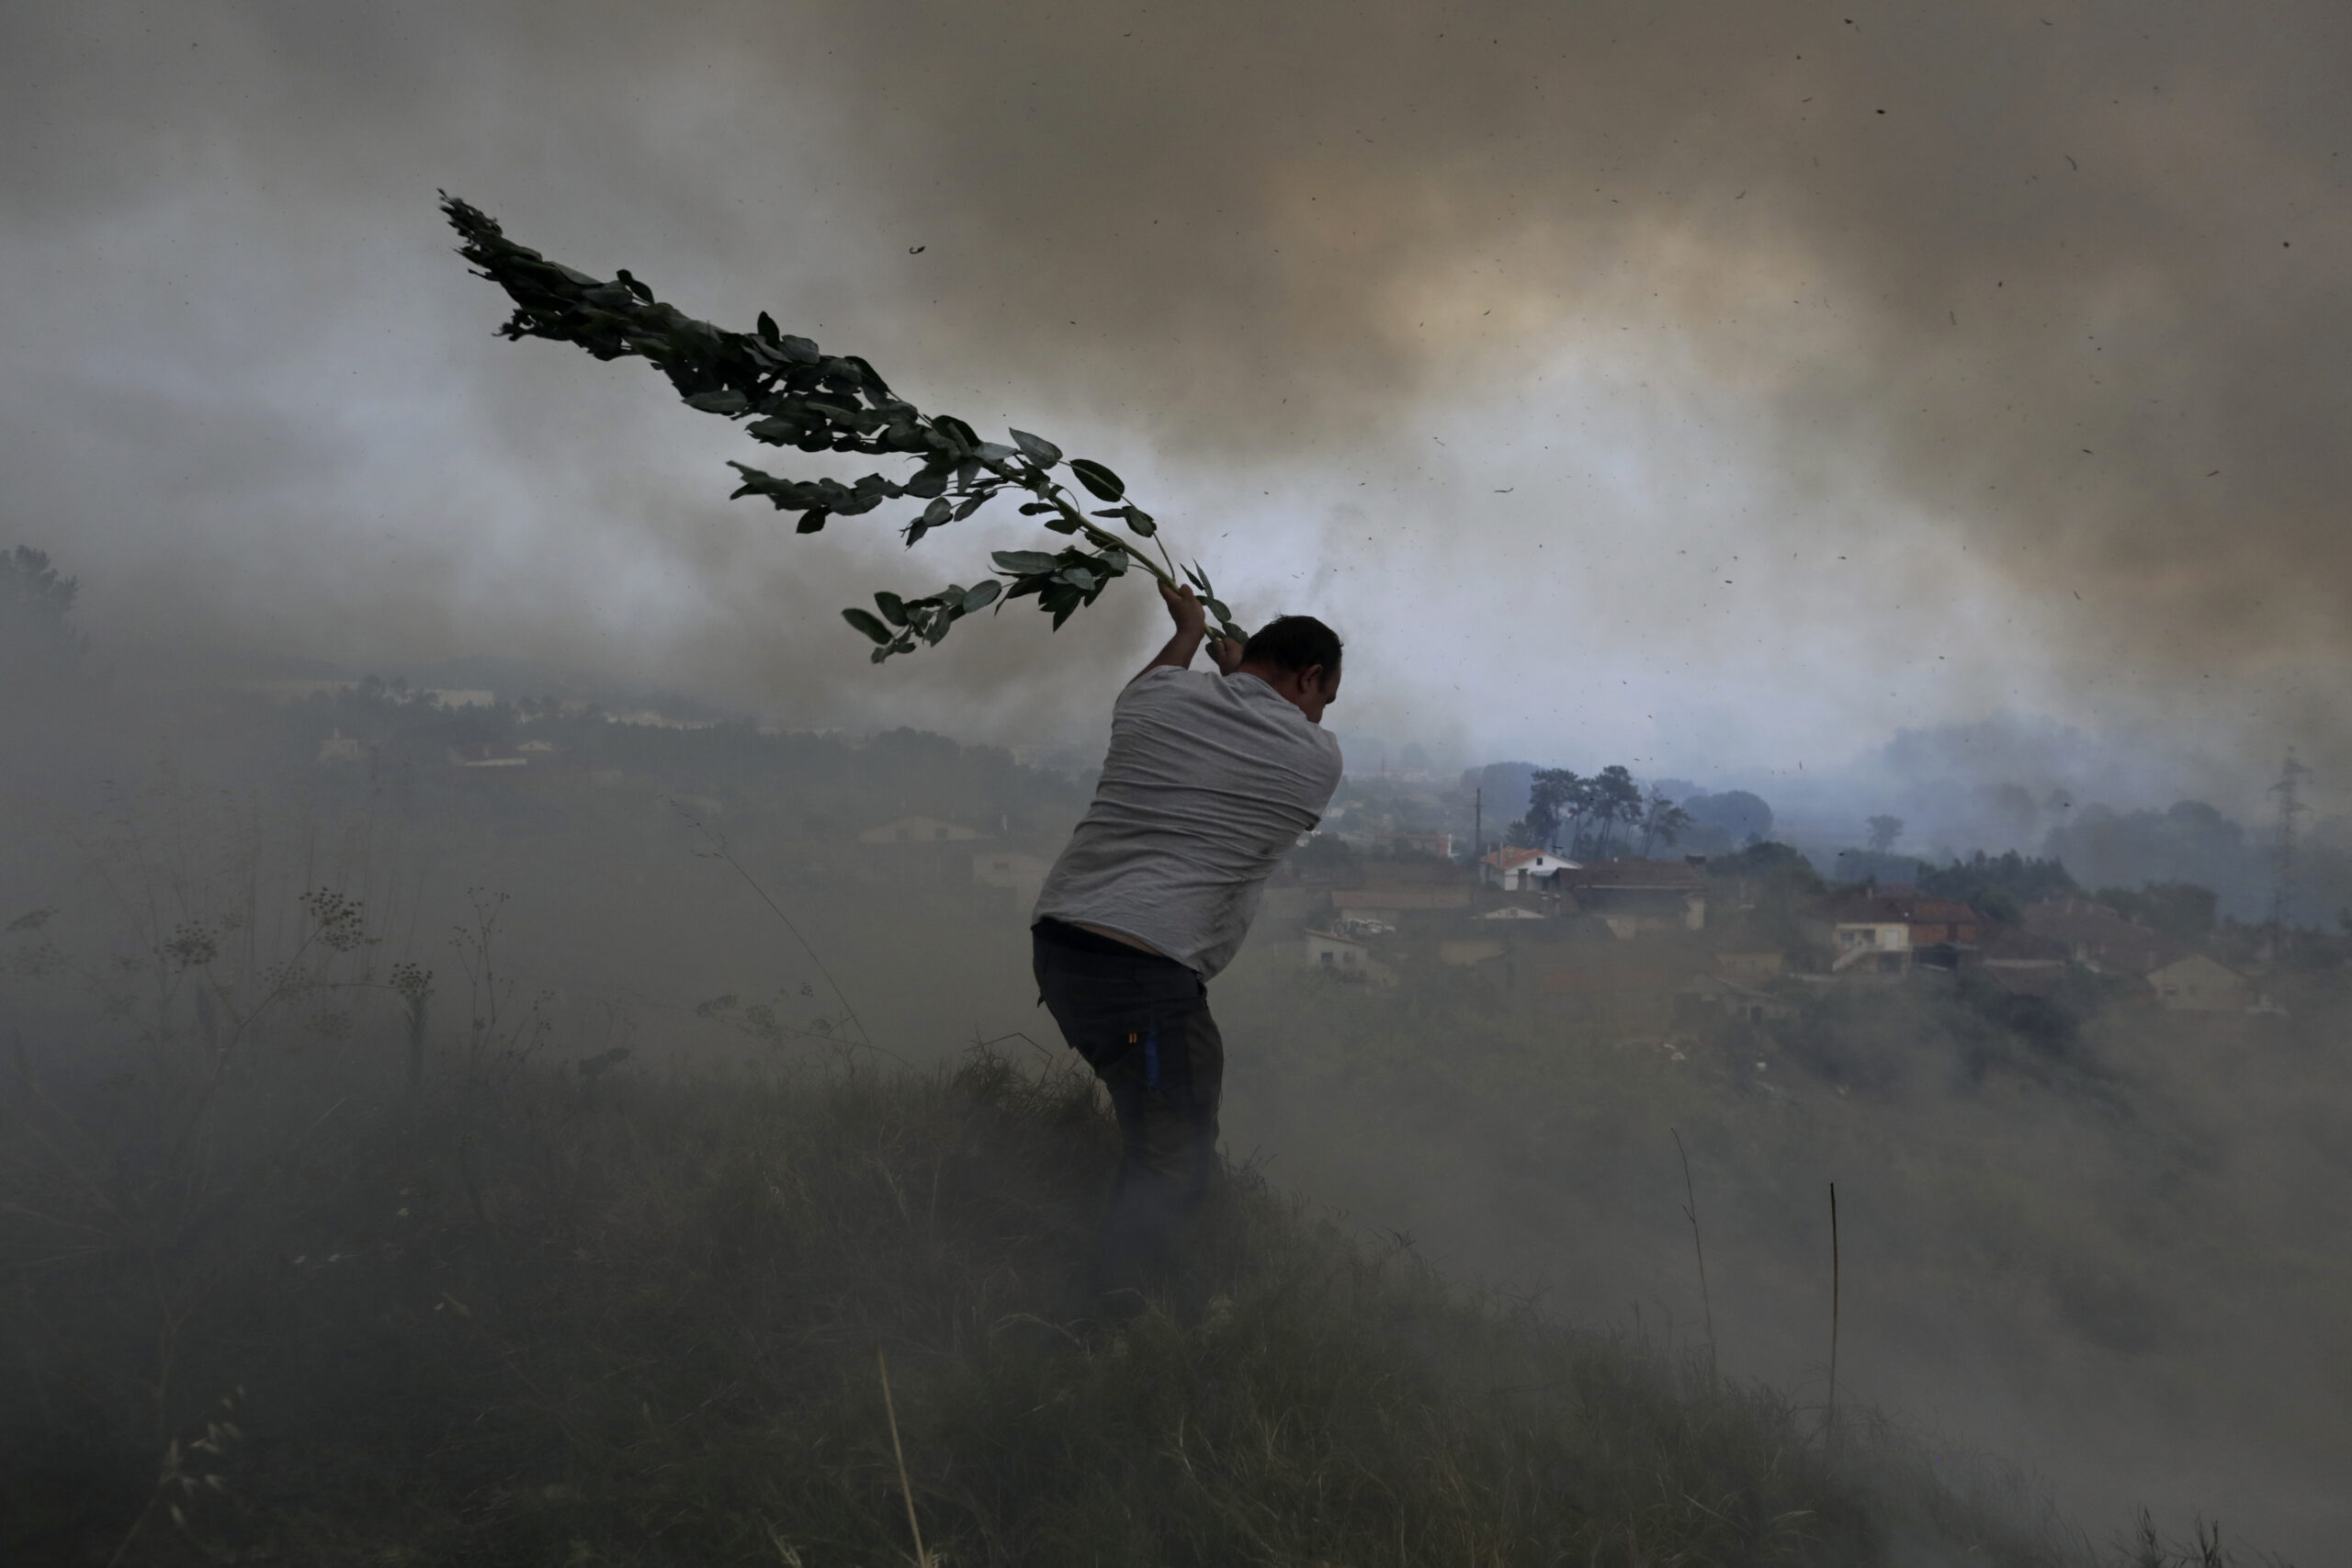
{"type": "Point", "coordinates": [1585, 818]}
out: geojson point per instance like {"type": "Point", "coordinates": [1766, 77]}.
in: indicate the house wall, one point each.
{"type": "Point", "coordinates": [2192, 986]}
{"type": "Point", "coordinates": [1328, 952]}
{"type": "Point", "coordinates": [1349, 960]}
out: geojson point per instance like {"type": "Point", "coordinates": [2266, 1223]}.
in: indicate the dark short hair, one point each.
{"type": "Point", "coordinates": [1294, 643]}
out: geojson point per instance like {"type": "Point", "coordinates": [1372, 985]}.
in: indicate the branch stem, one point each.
{"type": "Point", "coordinates": [1059, 498]}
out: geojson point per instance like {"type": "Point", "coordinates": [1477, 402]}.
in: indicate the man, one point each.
{"type": "Point", "coordinates": [1209, 781]}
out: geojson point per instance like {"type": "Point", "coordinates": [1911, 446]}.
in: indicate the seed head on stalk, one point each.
{"type": "Point", "coordinates": [795, 395]}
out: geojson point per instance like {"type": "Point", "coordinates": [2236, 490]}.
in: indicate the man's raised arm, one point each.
{"type": "Point", "coordinates": [1191, 626]}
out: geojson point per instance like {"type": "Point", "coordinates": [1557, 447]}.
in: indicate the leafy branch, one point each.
{"type": "Point", "coordinates": [795, 395]}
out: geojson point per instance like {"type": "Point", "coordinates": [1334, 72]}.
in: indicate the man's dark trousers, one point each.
{"type": "Point", "coordinates": [1142, 1022]}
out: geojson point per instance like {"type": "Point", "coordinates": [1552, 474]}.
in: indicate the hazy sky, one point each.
{"type": "Point", "coordinates": [1715, 385]}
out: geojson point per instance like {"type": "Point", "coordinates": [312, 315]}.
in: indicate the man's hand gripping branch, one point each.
{"type": "Point", "coordinates": [1191, 620]}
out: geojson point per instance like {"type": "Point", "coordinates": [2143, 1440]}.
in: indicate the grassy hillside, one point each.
{"type": "Point", "coordinates": [549, 1318]}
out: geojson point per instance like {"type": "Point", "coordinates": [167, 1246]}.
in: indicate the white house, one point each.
{"type": "Point", "coordinates": [339, 747]}
{"type": "Point", "coordinates": [1347, 957]}
{"type": "Point", "coordinates": [918, 830]}
{"type": "Point", "coordinates": [1521, 871]}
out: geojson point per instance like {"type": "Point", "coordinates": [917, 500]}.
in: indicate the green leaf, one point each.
{"type": "Point", "coordinates": [1140, 522]}
{"type": "Point", "coordinates": [1061, 526]}
{"type": "Point", "coordinates": [980, 595]}
{"type": "Point", "coordinates": [1037, 448]}
{"type": "Point", "coordinates": [768, 333]}
{"type": "Point", "coordinates": [1099, 481]}
{"type": "Point", "coordinates": [962, 432]}
{"type": "Point", "coordinates": [936, 513]}
{"type": "Point", "coordinates": [893, 608]}
{"type": "Point", "coordinates": [726, 400]}
{"type": "Point", "coordinates": [1037, 509]}
{"type": "Point", "coordinates": [992, 452]}
{"type": "Point", "coordinates": [812, 521]}
{"type": "Point", "coordinates": [863, 621]}
{"type": "Point", "coordinates": [1077, 577]}
{"type": "Point", "coordinates": [1021, 563]}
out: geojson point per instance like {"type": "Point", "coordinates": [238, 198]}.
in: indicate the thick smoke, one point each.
{"type": "Point", "coordinates": [1986, 355]}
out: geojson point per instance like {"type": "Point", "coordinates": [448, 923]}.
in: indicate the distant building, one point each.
{"type": "Point", "coordinates": [2021, 963]}
{"type": "Point", "coordinates": [1387, 903]}
{"type": "Point", "coordinates": [1762, 964]}
{"type": "Point", "coordinates": [1023, 874]}
{"type": "Point", "coordinates": [918, 830]}
{"type": "Point", "coordinates": [1890, 929]}
{"type": "Point", "coordinates": [339, 747]}
{"type": "Point", "coordinates": [1513, 913]}
{"type": "Point", "coordinates": [1348, 957]}
{"type": "Point", "coordinates": [2198, 984]}
{"type": "Point", "coordinates": [537, 747]}
{"type": "Point", "coordinates": [1441, 845]}
{"type": "Point", "coordinates": [2099, 938]}
{"type": "Point", "coordinates": [1637, 897]}
{"type": "Point", "coordinates": [1735, 999]}
{"type": "Point", "coordinates": [1521, 871]}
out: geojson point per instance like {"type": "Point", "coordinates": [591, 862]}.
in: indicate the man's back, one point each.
{"type": "Point", "coordinates": [1209, 780]}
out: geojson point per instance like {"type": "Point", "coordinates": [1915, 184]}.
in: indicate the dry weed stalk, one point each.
{"type": "Point", "coordinates": [1829, 1420]}
{"type": "Point", "coordinates": [891, 1409]}
{"type": "Point", "coordinates": [1691, 1213]}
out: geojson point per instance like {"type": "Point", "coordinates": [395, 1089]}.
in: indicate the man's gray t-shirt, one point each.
{"type": "Point", "coordinates": [1209, 781]}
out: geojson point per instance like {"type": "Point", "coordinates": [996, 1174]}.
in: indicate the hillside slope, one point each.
{"type": "Point", "coordinates": [550, 1319]}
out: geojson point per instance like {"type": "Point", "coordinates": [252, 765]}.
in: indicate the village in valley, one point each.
{"type": "Point", "coordinates": [1645, 918]}
{"type": "Point", "coordinates": [1626, 912]}
{"type": "Point", "coordinates": [1635, 943]}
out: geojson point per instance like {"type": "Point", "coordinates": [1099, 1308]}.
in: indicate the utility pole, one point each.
{"type": "Point", "coordinates": [2288, 789]}
{"type": "Point", "coordinates": [1477, 842]}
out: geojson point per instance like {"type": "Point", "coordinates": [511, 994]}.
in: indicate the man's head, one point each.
{"type": "Point", "coordinates": [1298, 655]}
